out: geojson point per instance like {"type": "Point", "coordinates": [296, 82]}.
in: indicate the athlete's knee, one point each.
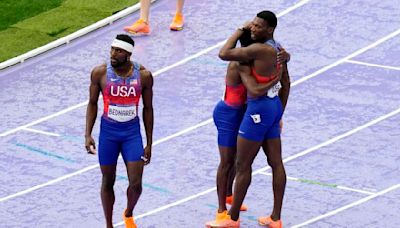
{"type": "Point", "coordinates": [275, 164]}
{"type": "Point", "coordinates": [225, 166]}
{"type": "Point", "coordinates": [242, 167]}
{"type": "Point", "coordinates": [136, 185]}
{"type": "Point", "coordinates": [107, 183]}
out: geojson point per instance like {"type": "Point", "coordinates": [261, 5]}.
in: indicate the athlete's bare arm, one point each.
{"type": "Point", "coordinates": [243, 54]}
{"type": "Point", "coordinates": [285, 82]}
{"type": "Point", "coordinates": [253, 88]}
{"type": "Point", "coordinates": [263, 56]}
{"type": "Point", "coordinates": [91, 111]}
{"type": "Point", "coordinates": [148, 117]}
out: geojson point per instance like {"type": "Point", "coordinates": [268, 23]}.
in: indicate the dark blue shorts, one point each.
{"type": "Point", "coordinates": [118, 137]}
{"type": "Point", "coordinates": [227, 120]}
{"type": "Point", "coordinates": [261, 120]}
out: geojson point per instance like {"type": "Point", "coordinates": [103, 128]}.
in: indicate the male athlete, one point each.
{"type": "Point", "coordinates": [228, 115]}
{"type": "Point", "coordinates": [122, 82]}
{"type": "Point", "coordinates": [260, 125]}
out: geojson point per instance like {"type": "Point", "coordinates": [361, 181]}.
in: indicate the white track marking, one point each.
{"type": "Point", "coordinates": [352, 55]}
{"type": "Point", "coordinates": [358, 202]}
{"type": "Point", "coordinates": [339, 137]}
{"type": "Point", "coordinates": [96, 166]}
{"type": "Point", "coordinates": [40, 132]}
{"type": "Point", "coordinates": [373, 65]}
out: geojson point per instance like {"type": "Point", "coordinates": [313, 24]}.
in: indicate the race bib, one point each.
{"type": "Point", "coordinates": [274, 90]}
{"type": "Point", "coordinates": [121, 113]}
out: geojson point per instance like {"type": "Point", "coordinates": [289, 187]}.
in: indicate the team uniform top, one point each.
{"type": "Point", "coordinates": [235, 95]}
{"type": "Point", "coordinates": [274, 90]}
{"type": "Point", "coordinates": [121, 95]}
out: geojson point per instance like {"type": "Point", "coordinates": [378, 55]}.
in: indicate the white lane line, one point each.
{"type": "Point", "coordinates": [40, 132]}
{"type": "Point", "coordinates": [363, 200]}
{"type": "Point", "coordinates": [96, 166]}
{"type": "Point", "coordinates": [208, 121]}
{"type": "Point", "coordinates": [323, 184]}
{"type": "Point", "coordinates": [295, 6]}
{"type": "Point", "coordinates": [373, 65]}
{"type": "Point", "coordinates": [158, 72]}
{"type": "Point", "coordinates": [352, 55]}
{"type": "Point", "coordinates": [48, 183]}
{"type": "Point", "coordinates": [337, 138]}
{"type": "Point", "coordinates": [172, 204]}
{"type": "Point", "coordinates": [185, 60]}
{"type": "Point", "coordinates": [43, 119]}
{"type": "Point", "coordinates": [363, 191]}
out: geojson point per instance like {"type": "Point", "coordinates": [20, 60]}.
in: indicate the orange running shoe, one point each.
{"type": "Point", "coordinates": [218, 217]}
{"type": "Point", "coordinates": [268, 222]}
{"type": "Point", "coordinates": [224, 223]}
{"type": "Point", "coordinates": [229, 200]}
{"type": "Point", "coordinates": [140, 27]}
{"type": "Point", "coordinates": [221, 216]}
{"type": "Point", "coordinates": [129, 221]}
{"type": "Point", "coordinates": [177, 22]}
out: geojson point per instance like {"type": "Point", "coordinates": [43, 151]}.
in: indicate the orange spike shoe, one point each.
{"type": "Point", "coordinates": [129, 221]}
{"type": "Point", "coordinates": [229, 200]}
{"type": "Point", "coordinates": [177, 22]}
{"type": "Point", "coordinates": [140, 27]}
{"type": "Point", "coordinates": [268, 222]}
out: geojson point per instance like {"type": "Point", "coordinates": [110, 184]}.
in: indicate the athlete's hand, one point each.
{"type": "Point", "coordinates": [278, 74]}
{"type": "Point", "coordinates": [247, 25]}
{"type": "Point", "coordinates": [147, 155]}
{"type": "Point", "coordinates": [283, 56]}
{"type": "Point", "coordinates": [90, 145]}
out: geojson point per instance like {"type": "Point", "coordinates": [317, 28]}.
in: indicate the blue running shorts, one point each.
{"type": "Point", "coordinates": [117, 137]}
{"type": "Point", "coordinates": [261, 120]}
{"type": "Point", "coordinates": [227, 119]}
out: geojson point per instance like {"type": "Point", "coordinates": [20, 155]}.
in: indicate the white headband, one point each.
{"type": "Point", "coordinates": [123, 45]}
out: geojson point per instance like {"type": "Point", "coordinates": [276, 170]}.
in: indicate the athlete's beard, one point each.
{"type": "Point", "coordinates": [118, 63]}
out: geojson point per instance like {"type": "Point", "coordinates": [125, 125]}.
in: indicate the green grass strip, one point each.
{"type": "Point", "coordinates": [317, 183]}
{"type": "Point", "coordinates": [52, 22]}
{"type": "Point", "coordinates": [17, 41]}
{"type": "Point", "coordinates": [13, 11]}
{"type": "Point", "coordinates": [64, 21]}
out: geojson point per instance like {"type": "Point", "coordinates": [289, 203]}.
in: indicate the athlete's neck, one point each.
{"type": "Point", "coordinates": [124, 70]}
{"type": "Point", "coordinates": [268, 38]}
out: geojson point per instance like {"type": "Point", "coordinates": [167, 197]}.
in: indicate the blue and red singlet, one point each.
{"type": "Point", "coordinates": [120, 128]}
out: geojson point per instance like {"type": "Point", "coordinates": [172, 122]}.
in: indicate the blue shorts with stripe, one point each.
{"type": "Point", "coordinates": [117, 137]}
{"type": "Point", "coordinates": [261, 120]}
{"type": "Point", "coordinates": [227, 120]}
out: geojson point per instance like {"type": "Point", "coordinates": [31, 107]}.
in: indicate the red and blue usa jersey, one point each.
{"type": "Point", "coordinates": [121, 95]}
{"type": "Point", "coordinates": [274, 90]}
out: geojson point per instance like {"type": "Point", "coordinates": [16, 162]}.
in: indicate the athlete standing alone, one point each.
{"type": "Point", "coordinates": [122, 83]}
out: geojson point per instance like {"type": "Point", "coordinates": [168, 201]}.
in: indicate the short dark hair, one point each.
{"type": "Point", "coordinates": [245, 38]}
{"type": "Point", "coordinates": [269, 17]}
{"type": "Point", "coordinates": [125, 38]}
